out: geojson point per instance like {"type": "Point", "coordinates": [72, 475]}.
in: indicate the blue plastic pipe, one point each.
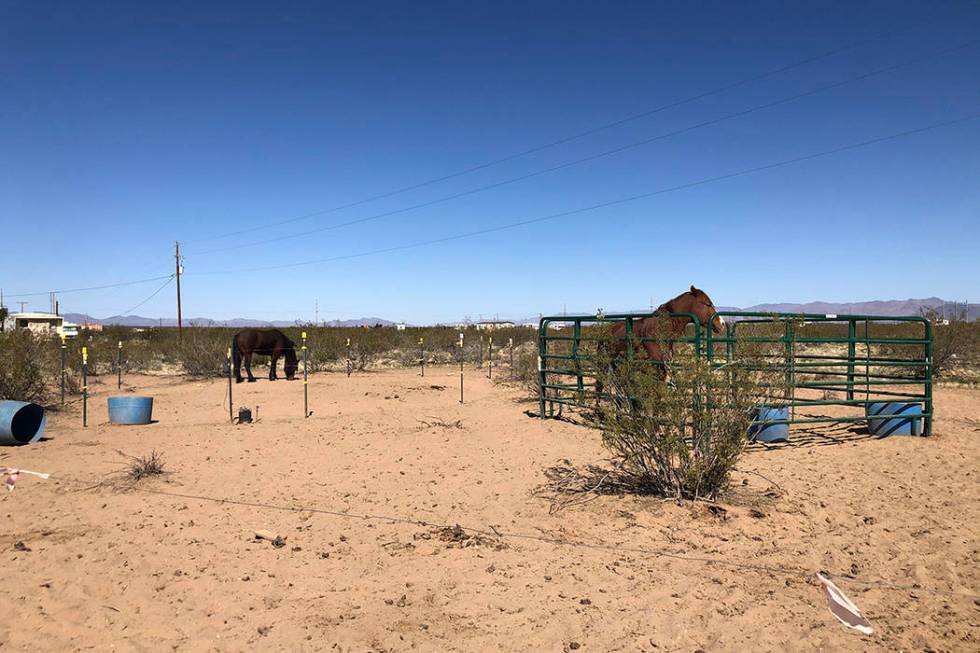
{"type": "Point", "coordinates": [21, 422]}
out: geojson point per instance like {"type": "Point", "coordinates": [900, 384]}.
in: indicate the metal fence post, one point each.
{"type": "Point", "coordinates": [84, 387]}
{"type": "Point", "coordinates": [306, 381]}
{"type": "Point", "coordinates": [350, 363]}
{"type": "Point", "coordinates": [460, 368]}
{"type": "Point", "coordinates": [927, 386]}
{"type": "Point", "coordinates": [422, 355]}
{"type": "Point", "coordinates": [490, 359]}
{"type": "Point", "coordinates": [63, 352]}
{"type": "Point", "coordinates": [231, 413]}
{"type": "Point", "coordinates": [542, 356]}
{"type": "Point", "coordinates": [510, 345]}
{"type": "Point", "coordinates": [119, 366]}
{"type": "Point", "coordinates": [851, 333]}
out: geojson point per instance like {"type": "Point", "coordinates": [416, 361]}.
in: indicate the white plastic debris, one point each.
{"type": "Point", "coordinates": [12, 474]}
{"type": "Point", "coordinates": [843, 608]}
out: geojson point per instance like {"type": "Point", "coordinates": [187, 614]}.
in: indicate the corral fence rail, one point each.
{"type": "Point", "coordinates": [832, 365]}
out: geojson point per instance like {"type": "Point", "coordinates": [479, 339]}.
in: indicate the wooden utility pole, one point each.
{"type": "Point", "coordinates": [180, 324]}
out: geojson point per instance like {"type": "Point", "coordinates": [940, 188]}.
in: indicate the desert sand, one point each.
{"type": "Point", "coordinates": [361, 493]}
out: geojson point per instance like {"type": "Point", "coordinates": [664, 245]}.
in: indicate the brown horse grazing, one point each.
{"type": "Point", "coordinates": [268, 342]}
{"type": "Point", "coordinates": [663, 329]}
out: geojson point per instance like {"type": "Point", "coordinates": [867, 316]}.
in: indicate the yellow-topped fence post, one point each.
{"type": "Point", "coordinates": [306, 381]}
{"type": "Point", "coordinates": [84, 387]}
{"type": "Point", "coordinates": [64, 348]}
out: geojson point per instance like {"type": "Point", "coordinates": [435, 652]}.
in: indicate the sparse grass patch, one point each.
{"type": "Point", "coordinates": [140, 467]}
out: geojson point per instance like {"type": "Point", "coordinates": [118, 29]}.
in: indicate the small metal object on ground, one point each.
{"type": "Point", "coordinates": [244, 415]}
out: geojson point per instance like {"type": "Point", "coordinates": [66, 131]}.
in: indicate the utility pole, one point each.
{"type": "Point", "coordinates": [22, 305]}
{"type": "Point", "coordinates": [180, 325]}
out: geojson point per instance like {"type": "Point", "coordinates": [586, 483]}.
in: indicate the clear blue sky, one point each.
{"type": "Point", "coordinates": [125, 127]}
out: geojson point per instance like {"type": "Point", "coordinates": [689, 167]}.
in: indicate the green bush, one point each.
{"type": "Point", "coordinates": [679, 434]}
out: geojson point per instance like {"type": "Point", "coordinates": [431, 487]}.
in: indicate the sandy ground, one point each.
{"type": "Point", "coordinates": [360, 490]}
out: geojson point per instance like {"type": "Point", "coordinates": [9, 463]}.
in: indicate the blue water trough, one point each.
{"type": "Point", "coordinates": [21, 422]}
{"type": "Point", "coordinates": [130, 410]}
{"type": "Point", "coordinates": [894, 418]}
{"type": "Point", "coordinates": [769, 432]}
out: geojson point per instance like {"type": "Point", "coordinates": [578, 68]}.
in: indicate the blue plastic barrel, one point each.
{"type": "Point", "coordinates": [769, 432]}
{"type": "Point", "coordinates": [21, 422]}
{"type": "Point", "coordinates": [894, 418]}
{"type": "Point", "coordinates": [130, 410]}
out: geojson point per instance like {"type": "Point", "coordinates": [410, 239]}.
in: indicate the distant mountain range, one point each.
{"type": "Point", "coordinates": [140, 321]}
{"type": "Point", "coordinates": [894, 307]}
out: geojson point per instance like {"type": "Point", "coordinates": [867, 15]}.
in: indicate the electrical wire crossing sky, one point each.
{"type": "Point", "coordinates": [425, 163]}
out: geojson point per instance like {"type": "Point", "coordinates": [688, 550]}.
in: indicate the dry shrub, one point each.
{"type": "Point", "coordinates": [525, 371]}
{"type": "Point", "coordinates": [201, 353]}
{"type": "Point", "coordinates": [679, 436]}
{"type": "Point", "coordinates": [954, 345]}
{"type": "Point", "coordinates": [23, 361]}
{"type": "Point", "coordinates": [141, 467]}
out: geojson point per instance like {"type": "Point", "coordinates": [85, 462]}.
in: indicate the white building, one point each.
{"type": "Point", "coordinates": [490, 325]}
{"type": "Point", "coordinates": [42, 323]}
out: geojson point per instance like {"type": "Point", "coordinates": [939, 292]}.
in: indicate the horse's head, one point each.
{"type": "Point", "coordinates": [291, 364]}
{"type": "Point", "coordinates": [696, 301]}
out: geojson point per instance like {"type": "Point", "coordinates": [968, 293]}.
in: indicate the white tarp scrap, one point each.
{"type": "Point", "coordinates": [12, 474]}
{"type": "Point", "coordinates": [843, 608]}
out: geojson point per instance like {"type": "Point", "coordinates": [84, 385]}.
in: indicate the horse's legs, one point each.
{"type": "Point", "coordinates": [248, 367]}
{"type": "Point", "coordinates": [238, 369]}
{"type": "Point", "coordinates": [272, 365]}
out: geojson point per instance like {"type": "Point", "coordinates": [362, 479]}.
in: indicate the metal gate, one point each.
{"type": "Point", "coordinates": [833, 365]}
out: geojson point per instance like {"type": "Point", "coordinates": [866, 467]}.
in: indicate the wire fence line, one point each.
{"type": "Point", "coordinates": [494, 532]}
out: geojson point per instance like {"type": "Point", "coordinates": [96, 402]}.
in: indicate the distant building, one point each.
{"type": "Point", "coordinates": [490, 325]}
{"type": "Point", "coordinates": [42, 323]}
{"type": "Point", "coordinates": [400, 326]}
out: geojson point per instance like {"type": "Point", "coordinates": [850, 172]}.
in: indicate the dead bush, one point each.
{"type": "Point", "coordinates": [140, 467]}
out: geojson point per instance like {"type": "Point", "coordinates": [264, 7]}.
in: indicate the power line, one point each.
{"type": "Point", "coordinates": [574, 137]}
{"type": "Point", "coordinates": [624, 200]}
{"type": "Point", "coordinates": [606, 153]}
{"type": "Point", "coordinates": [105, 287]}
{"type": "Point", "coordinates": [154, 294]}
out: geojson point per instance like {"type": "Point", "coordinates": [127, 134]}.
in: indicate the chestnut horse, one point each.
{"type": "Point", "coordinates": [662, 330]}
{"type": "Point", "coordinates": [268, 342]}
